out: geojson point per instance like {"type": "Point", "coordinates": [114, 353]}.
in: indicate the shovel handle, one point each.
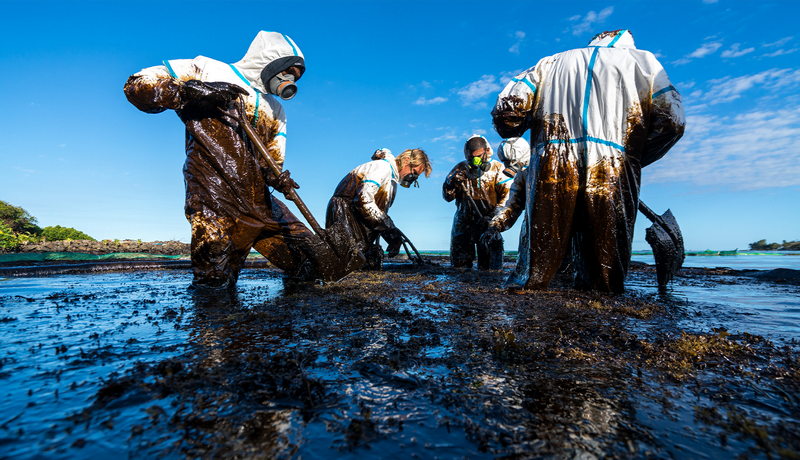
{"type": "Point", "coordinates": [273, 166]}
{"type": "Point", "coordinates": [406, 240]}
{"type": "Point", "coordinates": [654, 218]}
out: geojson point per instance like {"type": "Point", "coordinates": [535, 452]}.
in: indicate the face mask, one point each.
{"type": "Point", "coordinates": [477, 163]}
{"type": "Point", "coordinates": [408, 179]}
{"type": "Point", "coordinates": [282, 85]}
{"type": "Point", "coordinates": [511, 169]}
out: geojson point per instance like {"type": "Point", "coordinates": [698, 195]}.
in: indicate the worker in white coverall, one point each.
{"type": "Point", "coordinates": [363, 198]}
{"type": "Point", "coordinates": [515, 153]}
{"type": "Point", "coordinates": [479, 186]}
{"type": "Point", "coordinates": [228, 202]}
{"type": "Point", "coordinates": [597, 115]}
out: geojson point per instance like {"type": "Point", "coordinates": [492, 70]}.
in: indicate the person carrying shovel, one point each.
{"type": "Point", "coordinates": [363, 198]}
{"type": "Point", "coordinates": [478, 185]}
{"type": "Point", "coordinates": [228, 199]}
{"type": "Point", "coordinates": [597, 116]}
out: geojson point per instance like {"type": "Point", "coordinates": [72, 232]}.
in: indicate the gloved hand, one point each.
{"type": "Point", "coordinates": [460, 181]}
{"type": "Point", "coordinates": [393, 250]}
{"type": "Point", "coordinates": [214, 94]}
{"type": "Point", "coordinates": [490, 236]}
{"type": "Point", "coordinates": [283, 183]}
{"type": "Point", "coordinates": [393, 237]}
{"type": "Point", "coordinates": [459, 178]}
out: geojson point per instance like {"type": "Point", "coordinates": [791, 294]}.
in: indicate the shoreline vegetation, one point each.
{"type": "Point", "coordinates": [19, 233]}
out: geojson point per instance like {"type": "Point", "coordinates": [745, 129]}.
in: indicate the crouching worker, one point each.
{"type": "Point", "coordinates": [363, 198]}
{"type": "Point", "coordinates": [478, 186]}
{"type": "Point", "coordinates": [228, 200]}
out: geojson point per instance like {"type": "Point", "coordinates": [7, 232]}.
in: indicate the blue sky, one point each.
{"type": "Point", "coordinates": [75, 153]}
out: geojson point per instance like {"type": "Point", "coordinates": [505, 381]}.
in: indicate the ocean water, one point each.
{"type": "Point", "coordinates": [740, 261]}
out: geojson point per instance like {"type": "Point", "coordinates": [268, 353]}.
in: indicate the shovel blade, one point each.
{"type": "Point", "coordinates": [335, 253]}
{"type": "Point", "coordinates": [665, 237]}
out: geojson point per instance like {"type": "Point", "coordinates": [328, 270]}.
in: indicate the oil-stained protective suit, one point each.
{"type": "Point", "coordinates": [361, 201]}
{"type": "Point", "coordinates": [489, 190]}
{"type": "Point", "coordinates": [228, 203]}
{"type": "Point", "coordinates": [597, 115]}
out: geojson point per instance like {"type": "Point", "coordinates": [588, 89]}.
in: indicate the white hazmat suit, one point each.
{"type": "Point", "coordinates": [228, 202]}
{"type": "Point", "coordinates": [362, 200]}
{"type": "Point", "coordinates": [597, 115]}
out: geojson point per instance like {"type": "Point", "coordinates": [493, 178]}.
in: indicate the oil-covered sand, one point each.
{"type": "Point", "coordinates": [411, 362]}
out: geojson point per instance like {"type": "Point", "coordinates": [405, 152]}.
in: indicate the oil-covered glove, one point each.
{"type": "Point", "coordinates": [393, 237]}
{"type": "Point", "coordinates": [461, 183]}
{"type": "Point", "coordinates": [213, 94]}
{"type": "Point", "coordinates": [490, 236]}
{"type": "Point", "coordinates": [283, 183]}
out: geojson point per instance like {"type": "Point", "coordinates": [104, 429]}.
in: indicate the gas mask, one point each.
{"type": "Point", "coordinates": [408, 179]}
{"type": "Point", "coordinates": [478, 165]}
{"type": "Point", "coordinates": [512, 168]}
{"type": "Point", "coordinates": [282, 85]}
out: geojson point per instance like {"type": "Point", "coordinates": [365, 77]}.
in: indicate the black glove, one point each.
{"type": "Point", "coordinates": [214, 94]}
{"type": "Point", "coordinates": [283, 183]}
{"type": "Point", "coordinates": [393, 237]}
{"type": "Point", "coordinates": [393, 249]}
{"type": "Point", "coordinates": [490, 236]}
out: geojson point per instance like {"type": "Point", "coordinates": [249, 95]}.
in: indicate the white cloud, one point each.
{"type": "Point", "coordinates": [515, 48]}
{"type": "Point", "coordinates": [780, 42]}
{"type": "Point", "coordinates": [751, 151]}
{"type": "Point", "coordinates": [708, 2]}
{"type": "Point", "coordinates": [729, 88]}
{"type": "Point", "coordinates": [471, 93]}
{"type": "Point", "coordinates": [590, 20]}
{"type": "Point", "coordinates": [479, 131]}
{"type": "Point", "coordinates": [24, 170]}
{"type": "Point", "coordinates": [705, 50]}
{"type": "Point", "coordinates": [448, 136]}
{"type": "Point", "coordinates": [735, 52]}
{"type": "Point", "coordinates": [422, 85]}
{"type": "Point", "coordinates": [681, 61]}
{"type": "Point", "coordinates": [781, 52]}
{"type": "Point", "coordinates": [434, 101]}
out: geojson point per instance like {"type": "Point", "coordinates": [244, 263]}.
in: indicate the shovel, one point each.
{"type": "Point", "coordinates": [664, 236]}
{"type": "Point", "coordinates": [474, 206]}
{"type": "Point", "coordinates": [334, 251]}
{"type": "Point", "coordinates": [416, 260]}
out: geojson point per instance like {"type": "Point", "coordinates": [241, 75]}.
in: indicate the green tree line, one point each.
{"type": "Point", "coordinates": [18, 226]}
{"type": "Point", "coordinates": [762, 245]}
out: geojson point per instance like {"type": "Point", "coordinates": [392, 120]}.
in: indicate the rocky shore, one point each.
{"type": "Point", "coordinates": [171, 248]}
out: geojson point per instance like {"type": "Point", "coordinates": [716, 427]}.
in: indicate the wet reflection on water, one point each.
{"type": "Point", "coordinates": [427, 362]}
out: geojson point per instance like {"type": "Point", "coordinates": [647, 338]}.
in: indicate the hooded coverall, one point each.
{"type": "Point", "coordinates": [597, 115]}
{"type": "Point", "coordinates": [514, 150]}
{"type": "Point", "coordinates": [361, 201]}
{"type": "Point", "coordinates": [228, 203]}
{"type": "Point", "coordinates": [488, 191]}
